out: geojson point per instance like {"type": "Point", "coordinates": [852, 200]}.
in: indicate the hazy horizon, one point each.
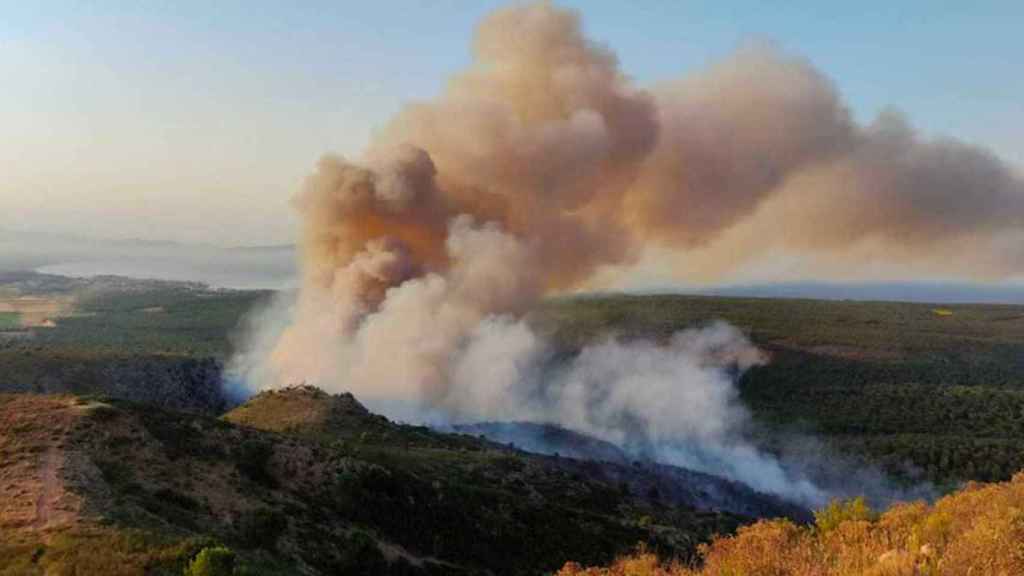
{"type": "Point", "coordinates": [275, 268]}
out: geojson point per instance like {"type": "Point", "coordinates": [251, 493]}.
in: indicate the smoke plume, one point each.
{"type": "Point", "coordinates": [674, 403]}
{"type": "Point", "coordinates": [541, 165]}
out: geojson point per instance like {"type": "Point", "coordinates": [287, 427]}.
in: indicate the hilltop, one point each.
{"type": "Point", "coordinates": [308, 411]}
{"type": "Point", "coordinates": [322, 487]}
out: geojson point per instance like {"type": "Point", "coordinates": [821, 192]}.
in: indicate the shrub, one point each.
{"type": "Point", "coordinates": [212, 561]}
{"type": "Point", "coordinates": [839, 511]}
{"type": "Point", "coordinates": [263, 527]}
{"type": "Point", "coordinates": [253, 458]}
{"type": "Point", "coordinates": [979, 530]}
{"type": "Point", "coordinates": [361, 556]}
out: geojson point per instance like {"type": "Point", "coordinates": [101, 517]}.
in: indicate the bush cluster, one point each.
{"type": "Point", "coordinates": [978, 530]}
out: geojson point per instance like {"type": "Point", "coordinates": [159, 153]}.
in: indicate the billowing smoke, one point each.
{"type": "Point", "coordinates": [542, 165]}
{"type": "Point", "coordinates": [674, 402]}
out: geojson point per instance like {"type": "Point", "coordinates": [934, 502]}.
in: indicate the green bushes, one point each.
{"type": "Point", "coordinates": [252, 458]}
{"type": "Point", "coordinates": [10, 320]}
{"type": "Point", "coordinates": [839, 511]}
{"type": "Point", "coordinates": [361, 556]}
{"type": "Point", "coordinates": [262, 528]}
{"type": "Point", "coordinates": [215, 561]}
{"type": "Point", "coordinates": [123, 552]}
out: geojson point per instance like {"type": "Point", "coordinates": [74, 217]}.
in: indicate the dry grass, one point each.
{"type": "Point", "coordinates": [35, 463]}
{"type": "Point", "coordinates": [976, 531]}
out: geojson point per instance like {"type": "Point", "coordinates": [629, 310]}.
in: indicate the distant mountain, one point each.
{"type": "Point", "coordinates": [29, 236]}
{"type": "Point", "coordinates": [274, 266]}
{"type": "Point", "coordinates": [259, 267]}
{"type": "Point", "coordinates": [290, 248]}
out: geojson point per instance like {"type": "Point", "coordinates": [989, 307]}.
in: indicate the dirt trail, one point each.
{"type": "Point", "coordinates": [50, 487]}
{"type": "Point", "coordinates": [54, 505]}
{"type": "Point", "coordinates": [36, 463]}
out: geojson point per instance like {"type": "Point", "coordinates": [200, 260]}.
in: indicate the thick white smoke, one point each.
{"type": "Point", "coordinates": [675, 403]}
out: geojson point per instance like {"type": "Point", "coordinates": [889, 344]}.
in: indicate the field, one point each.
{"type": "Point", "coordinates": [35, 311]}
{"type": "Point", "coordinates": [113, 315]}
{"type": "Point", "coordinates": [168, 320]}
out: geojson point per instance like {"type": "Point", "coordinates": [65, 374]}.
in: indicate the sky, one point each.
{"type": "Point", "coordinates": [196, 121]}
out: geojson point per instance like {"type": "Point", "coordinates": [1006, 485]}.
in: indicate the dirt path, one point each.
{"type": "Point", "coordinates": [34, 468]}
{"type": "Point", "coordinates": [50, 487]}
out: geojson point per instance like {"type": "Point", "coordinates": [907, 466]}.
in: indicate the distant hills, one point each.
{"type": "Point", "coordinates": [260, 267]}
{"type": "Point", "coordinates": [275, 267]}
{"type": "Point", "coordinates": [927, 292]}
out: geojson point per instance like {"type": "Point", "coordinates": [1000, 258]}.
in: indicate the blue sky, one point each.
{"type": "Point", "coordinates": [122, 118]}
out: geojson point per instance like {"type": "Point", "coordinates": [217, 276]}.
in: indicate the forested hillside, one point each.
{"type": "Point", "coordinates": [936, 391]}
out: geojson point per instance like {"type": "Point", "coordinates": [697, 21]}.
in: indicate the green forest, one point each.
{"type": "Point", "coordinates": [934, 392]}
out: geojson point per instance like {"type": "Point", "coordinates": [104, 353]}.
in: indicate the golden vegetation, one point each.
{"type": "Point", "coordinates": [978, 530]}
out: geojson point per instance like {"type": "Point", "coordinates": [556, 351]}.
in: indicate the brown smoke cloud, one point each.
{"type": "Point", "coordinates": [542, 134]}
{"type": "Point", "coordinates": [891, 203]}
{"type": "Point", "coordinates": [542, 163]}
{"type": "Point", "coordinates": [730, 136]}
